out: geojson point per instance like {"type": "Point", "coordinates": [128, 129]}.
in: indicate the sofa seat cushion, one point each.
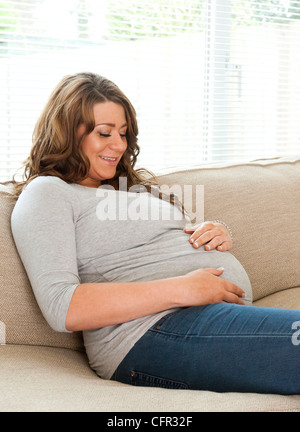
{"type": "Point", "coordinates": [35, 379]}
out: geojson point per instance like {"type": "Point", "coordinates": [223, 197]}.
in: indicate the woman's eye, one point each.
{"type": "Point", "coordinates": [107, 135]}
{"type": "Point", "coordinates": [104, 135]}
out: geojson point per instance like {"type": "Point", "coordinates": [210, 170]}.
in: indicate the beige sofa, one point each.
{"type": "Point", "coordinates": [41, 370]}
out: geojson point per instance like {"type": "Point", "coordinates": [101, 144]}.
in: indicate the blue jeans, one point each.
{"type": "Point", "coordinates": [220, 347]}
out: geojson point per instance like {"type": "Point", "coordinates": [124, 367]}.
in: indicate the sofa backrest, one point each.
{"type": "Point", "coordinates": [19, 311]}
{"type": "Point", "coordinates": [260, 201]}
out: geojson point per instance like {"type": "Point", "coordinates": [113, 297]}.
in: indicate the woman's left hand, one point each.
{"type": "Point", "coordinates": [213, 234]}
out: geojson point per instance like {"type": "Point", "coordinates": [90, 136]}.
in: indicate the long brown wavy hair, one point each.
{"type": "Point", "coordinates": [57, 149]}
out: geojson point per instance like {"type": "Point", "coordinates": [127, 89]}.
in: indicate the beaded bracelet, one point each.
{"type": "Point", "coordinates": [225, 225]}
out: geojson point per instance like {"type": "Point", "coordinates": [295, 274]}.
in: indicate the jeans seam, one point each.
{"type": "Point", "coordinates": [144, 377]}
{"type": "Point", "coordinates": [166, 333]}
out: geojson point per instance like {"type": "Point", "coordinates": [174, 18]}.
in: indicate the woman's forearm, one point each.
{"type": "Point", "coordinates": [96, 305]}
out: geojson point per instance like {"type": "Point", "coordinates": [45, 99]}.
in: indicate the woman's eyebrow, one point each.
{"type": "Point", "coordinates": [110, 124]}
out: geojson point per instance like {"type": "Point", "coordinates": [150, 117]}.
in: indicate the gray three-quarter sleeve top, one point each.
{"type": "Point", "coordinates": [68, 234]}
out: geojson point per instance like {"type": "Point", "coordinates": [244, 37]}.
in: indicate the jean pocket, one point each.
{"type": "Point", "coordinates": [160, 322]}
{"type": "Point", "coordinates": [146, 380]}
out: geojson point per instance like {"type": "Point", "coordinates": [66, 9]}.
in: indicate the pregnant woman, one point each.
{"type": "Point", "coordinates": [160, 302]}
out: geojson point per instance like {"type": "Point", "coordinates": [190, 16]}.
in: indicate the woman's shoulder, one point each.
{"type": "Point", "coordinates": [47, 185]}
{"type": "Point", "coordinates": [47, 181]}
{"type": "Point", "coordinates": [47, 193]}
{"type": "Point", "coordinates": [45, 189]}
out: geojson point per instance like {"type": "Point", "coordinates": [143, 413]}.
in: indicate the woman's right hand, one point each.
{"type": "Point", "coordinates": [204, 286]}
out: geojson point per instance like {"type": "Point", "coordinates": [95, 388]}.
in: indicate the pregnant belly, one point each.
{"type": "Point", "coordinates": [183, 264]}
{"type": "Point", "coordinates": [233, 270]}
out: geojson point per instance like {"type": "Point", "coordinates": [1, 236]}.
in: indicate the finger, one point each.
{"type": "Point", "coordinates": [215, 271]}
{"type": "Point", "coordinates": [192, 229]}
{"type": "Point", "coordinates": [215, 242]}
{"type": "Point", "coordinates": [205, 233]}
{"type": "Point", "coordinates": [200, 238]}
{"type": "Point", "coordinates": [234, 289]}
{"type": "Point", "coordinates": [226, 245]}
{"type": "Point", "coordinates": [189, 229]}
{"type": "Point", "coordinates": [219, 243]}
{"type": "Point", "coordinates": [229, 287]}
{"type": "Point", "coordinates": [232, 298]}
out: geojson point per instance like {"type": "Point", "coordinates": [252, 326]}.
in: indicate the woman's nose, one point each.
{"type": "Point", "coordinates": [119, 142]}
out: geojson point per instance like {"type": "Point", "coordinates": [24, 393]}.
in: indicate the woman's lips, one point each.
{"type": "Point", "coordinates": [109, 160]}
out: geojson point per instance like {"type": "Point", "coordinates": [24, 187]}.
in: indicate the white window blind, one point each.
{"type": "Point", "coordinates": [211, 80]}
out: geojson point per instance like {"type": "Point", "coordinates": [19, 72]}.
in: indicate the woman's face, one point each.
{"type": "Point", "coordinates": [106, 144]}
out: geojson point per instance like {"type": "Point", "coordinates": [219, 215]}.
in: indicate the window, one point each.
{"type": "Point", "coordinates": [210, 80]}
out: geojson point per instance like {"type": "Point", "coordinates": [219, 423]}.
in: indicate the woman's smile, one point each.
{"type": "Point", "coordinates": [110, 160]}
